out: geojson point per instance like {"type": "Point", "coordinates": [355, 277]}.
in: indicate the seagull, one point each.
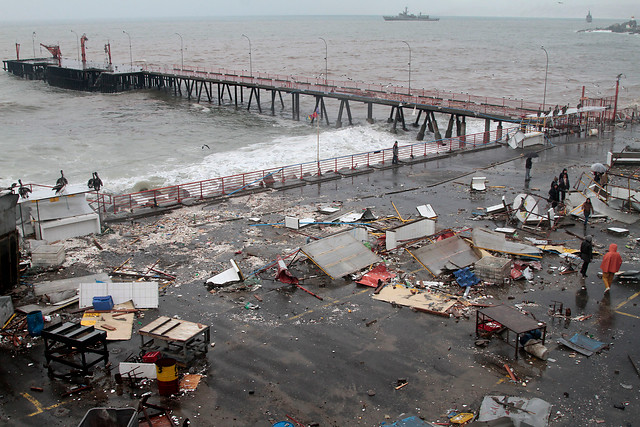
{"type": "Point", "coordinates": [60, 183]}
{"type": "Point", "coordinates": [205, 145]}
{"type": "Point", "coordinates": [23, 191]}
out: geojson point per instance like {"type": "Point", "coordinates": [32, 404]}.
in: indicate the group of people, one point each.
{"type": "Point", "coordinates": [612, 260]}
{"type": "Point", "coordinates": [559, 187]}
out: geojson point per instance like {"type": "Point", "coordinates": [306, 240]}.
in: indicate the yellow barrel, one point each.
{"type": "Point", "coordinates": [167, 374]}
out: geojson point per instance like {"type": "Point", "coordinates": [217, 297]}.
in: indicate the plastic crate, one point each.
{"type": "Point", "coordinates": [493, 269]}
{"type": "Point", "coordinates": [103, 303]}
{"type": "Point", "coordinates": [465, 277]}
{"type": "Point", "coordinates": [112, 417]}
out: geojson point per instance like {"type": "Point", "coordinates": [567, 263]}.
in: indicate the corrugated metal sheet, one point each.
{"type": "Point", "coordinates": [451, 254]}
{"type": "Point", "coordinates": [340, 254]}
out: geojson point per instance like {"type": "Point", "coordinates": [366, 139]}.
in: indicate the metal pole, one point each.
{"type": "Point", "coordinates": [326, 56]}
{"type": "Point", "coordinates": [250, 64]}
{"type": "Point", "coordinates": [33, 39]}
{"type": "Point", "coordinates": [409, 65]}
{"type": "Point", "coordinates": [615, 105]}
{"type": "Point", "coordinates": [78, 44]}
{"type": "Point", "coordinates": [130, 52]}
{"type": "Point", "coordinates": [546, 70]}
{"type": "Point", "coordinates": [181, 52]}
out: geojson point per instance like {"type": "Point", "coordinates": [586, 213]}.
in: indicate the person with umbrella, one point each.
{"type": "Point", "coordinates": [598, 169]}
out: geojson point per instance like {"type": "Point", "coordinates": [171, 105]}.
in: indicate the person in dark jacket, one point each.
{"type": "Point", "coordinates": [527, 167]}
{"type": "Point", "coordinates": [563, 184]}
{"type": "Point", "coordinates": [394, 161]}
{"type": "Point", "coordinates": [554, 195]}
{"type": "Point", "coordinates": [586, 253]}
{"type": "Point", "coordinates": [587, 209]}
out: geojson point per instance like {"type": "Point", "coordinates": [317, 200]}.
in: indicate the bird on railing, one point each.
{"type": "Point", "coordinates": [95, 182]}
{"type": "Point", "coordinates": [60, 183]}
{"type": "Point", "coordinates": [23, 191]}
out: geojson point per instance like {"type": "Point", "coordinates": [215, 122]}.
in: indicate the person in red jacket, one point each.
{"type": "Point", "coordinates": [610, 265]}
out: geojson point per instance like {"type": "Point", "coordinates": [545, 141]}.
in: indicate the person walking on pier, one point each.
{"type": "Point", "coordinates": [527, 168]}
{"type": "Point", "coordinates": [554, 195]}
{"type": "Point", "coordinates": [563, 184]}
{"type": "Point", "coordinates": [610, 265]}
{"type": "Point", "coordinates": [394, 161]}
{"type": "Point", "coordinates": [586, 253]}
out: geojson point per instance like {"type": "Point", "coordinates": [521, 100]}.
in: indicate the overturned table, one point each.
{"type": "Point", "coordinates": [176, 338]}
{"type": "Point", "coordinates": [512, 321]}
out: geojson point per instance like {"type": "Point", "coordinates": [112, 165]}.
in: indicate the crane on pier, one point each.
{"type": "Point", "coordinates": [55, 51]}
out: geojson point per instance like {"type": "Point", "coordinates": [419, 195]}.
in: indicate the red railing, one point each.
{"type": "Point", "coordinates": [224, 186]}
{"type": "Point", "coordinates": [478, 104]}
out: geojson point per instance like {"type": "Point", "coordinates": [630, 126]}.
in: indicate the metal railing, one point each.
{"type": "Point", "coordinates": [285, 175]}
{"type": "Point", "coordinates": [479, 104]}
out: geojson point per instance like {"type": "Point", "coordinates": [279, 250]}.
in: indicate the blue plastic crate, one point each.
{"type": "Point", "coordinates": [466, 277]}
{"type": "Point", "coordinates": [103, 303]}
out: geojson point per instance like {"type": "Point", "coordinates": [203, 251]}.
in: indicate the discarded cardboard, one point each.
{"type": "Point", "coordinates": [230, 275]}
{"type": "Point", "coordinates": [117, 327]}
{"type": "Point", "coordinates": [452, 253]}
{"type": "Point", "coordinates": [143, 294]}
{"type": "Point", "coordinates": [427, 302]}
{"type": "Point", "coordinates": [340, 254]}
{"type": "Point", "coordinates": [532, 412]}
{"type": "Point", "coordinates": [409, 231]}
{"type": "Point", "coordinates": [497, 242]}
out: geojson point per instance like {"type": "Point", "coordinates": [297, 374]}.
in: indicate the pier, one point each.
{"type": "Point", "coordinates": [267, 92]}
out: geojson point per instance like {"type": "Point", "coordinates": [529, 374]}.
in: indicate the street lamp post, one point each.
{"type": "Point", "coordinates": [130, 52]}
{"type": "Point", "coordinates": [326, 56]}
{"type": "Point", "coordinates": [181, 52]}
{"type": "Point", "coordinates": [546, 70]}
{"type": "Point", "coordinates": [77, 44]}
{"type": "Point", "coordinates": [409, 65]}
{"type": "Point", "coordinates": [33, 39]}
{"type": "Point", "coordinates": [250, 64]}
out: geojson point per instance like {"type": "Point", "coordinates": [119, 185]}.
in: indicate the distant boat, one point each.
{"type": "Point", "coordinates": [406, 16]}
{"type": "Point", "coordinates": [589, 17]}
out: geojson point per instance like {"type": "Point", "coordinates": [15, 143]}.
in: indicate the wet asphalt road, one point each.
{"type": "Point", "coordinates": [326, 362]}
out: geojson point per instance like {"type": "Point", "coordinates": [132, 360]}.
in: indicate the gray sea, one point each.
{"type": "Point", "coordinates": [151, 138]}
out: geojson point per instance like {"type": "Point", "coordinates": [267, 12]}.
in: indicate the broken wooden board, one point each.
{"type": "Point", "coordinates": [122, 324]}
{"type": "Point", "coordinates": [427, 302]}
{"type": "Point", "coordinates": [190, 382]}
{"type": "Point", "coordinates": [451, 253]}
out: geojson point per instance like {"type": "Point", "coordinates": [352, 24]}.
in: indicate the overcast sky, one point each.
{"type": "Point", "coordinates": [37, 10]}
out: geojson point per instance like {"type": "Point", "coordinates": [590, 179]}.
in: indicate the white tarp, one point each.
{"type": "Point", "coordinates": [531, 412]}
{"type": "Point", "coordinates": [230, 275]}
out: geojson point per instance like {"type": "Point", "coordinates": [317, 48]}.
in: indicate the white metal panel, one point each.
{"type": "Point", "coordinates": [413, 230]}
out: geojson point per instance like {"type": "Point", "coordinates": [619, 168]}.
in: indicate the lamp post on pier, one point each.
{"type": "Point", "coordinates": [181, 52]}
{"type": "Point", "coordinates": [546, 70]}
{"type": "Point", "coordinates": [326, 56]}
{"type": "Point", "coordinates": [409, 65]}
{"type": "Point", "coordinates": [250, 64]}
{"type": "Point", "coordinates": [77, 44]}
{"type": "Point", "coordinates": [130, 52]}
{"type": "Point", "coordinates": [33, 39]}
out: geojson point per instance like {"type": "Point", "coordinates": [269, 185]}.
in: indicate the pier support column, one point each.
{"type": "Point", "coordinates": [370, 112]}
{"type": "Point", "coordinates": [434, 124]}
{"type": "Point", "coordinates": [417, 122]}
{"type": "Point", "coordinates": [487, 131]}
{"type": "Point", "coordinates": [423, 128]}
{"type": "Point", "coordinates": [344, 104]}
{"type": "Point", "coordinates": [390, 119]}
{"type": "Point", "coordinates": [449, 131]}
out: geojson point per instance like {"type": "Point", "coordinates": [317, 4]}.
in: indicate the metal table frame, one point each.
{"type": "Point", "coordinates": [512, 320]}
{"type": "Point", "coordinates": [64, 343]}
{"type": "Point", "coordinates": [176, 338]}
